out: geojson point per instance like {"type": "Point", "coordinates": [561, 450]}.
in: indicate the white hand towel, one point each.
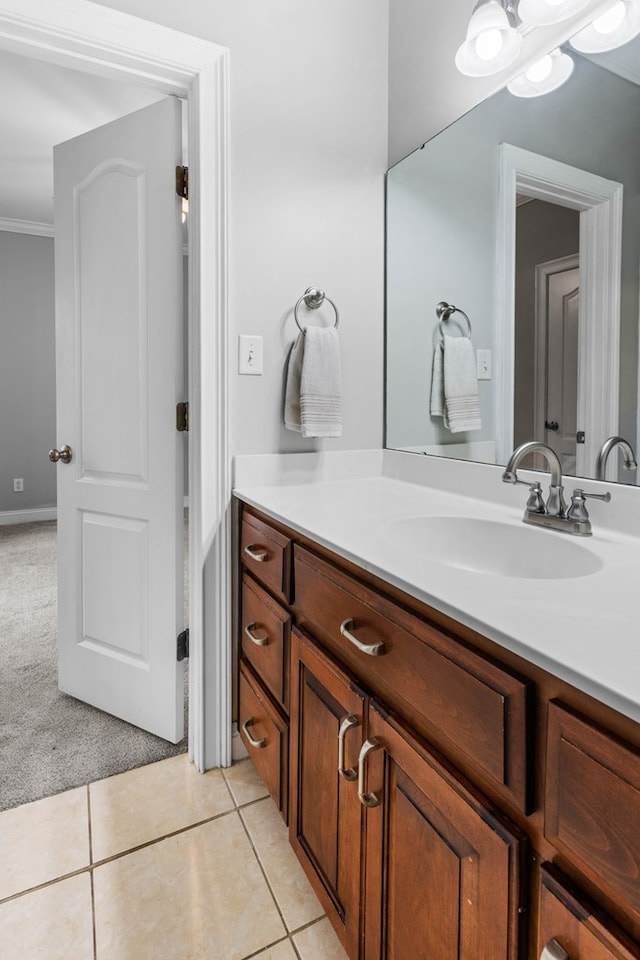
{"type": "Point", "coordinates": [313, 395]}
{"type": "Point", "coordinates": [460, 404]}
{"type": "Point", "coordinates": [437, 382]}
{"type": "Point", "coordinates": [292, 388]}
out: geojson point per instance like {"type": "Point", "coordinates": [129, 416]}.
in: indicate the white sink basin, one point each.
{"type": "Point", "coordinates": [490, 547]}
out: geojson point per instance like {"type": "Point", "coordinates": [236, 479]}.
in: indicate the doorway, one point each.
{"type": "Point", "coordinates": [108, 43]}
{"type": "Point", "coordinates": [546, 328]}
{"type": "Point", "coordinates": [599, 204]}
{"type": "Point", "coordinates": [50, 741]}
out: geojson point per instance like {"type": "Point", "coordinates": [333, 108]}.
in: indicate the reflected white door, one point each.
{"type": "Point", "coordinates": [556, 401]}
{"type": "Point", "coordinates": [119, 347]}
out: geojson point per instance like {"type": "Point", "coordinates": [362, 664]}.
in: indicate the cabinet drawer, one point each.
{"type": "Point", "coordinates": [265, 735]}
{"type": "Point", "coordinates": [266, 629]}
{"type": "Point", "coordinates": [569, 927]}
{"type": "Point", "coordinates": [592, 801]}
{"type": "Point", "coordinates": [460, 699]}
{"type": "Point", "coordinates": [267, 553]}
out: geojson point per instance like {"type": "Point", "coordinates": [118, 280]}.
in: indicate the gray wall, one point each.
{"type": "Point", "coordinates": [27, 371]}
{"type": "Point", "coordinates": [442, 230]}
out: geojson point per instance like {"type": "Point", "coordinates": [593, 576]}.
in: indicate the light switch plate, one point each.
{"type": "Point", "coordinates": [483, 364]}
{"type": "Point", "coordinates": [249, 355]}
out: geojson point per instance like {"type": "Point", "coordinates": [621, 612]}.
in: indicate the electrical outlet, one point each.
{"type": "Point", "coordinates": [483, 364]}
{"type": "Point", "coordinates": [249, 355]}
{"type": "Point", "coordinates": [18, 485]}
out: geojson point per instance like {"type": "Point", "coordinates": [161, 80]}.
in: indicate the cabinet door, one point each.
{"type": "Point", "coordinates": [442, 871]}
{"type": "Point", "coordinates": [570, 928]}
{"type": "Point", "coordinates": [327, 714]}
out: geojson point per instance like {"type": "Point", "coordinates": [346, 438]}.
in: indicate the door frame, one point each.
{"type": "Point", "coordinates": [543, 272]}
{"type": "Point", "coordinates": [108, 43]}
{"type": "Point", "coordinates": [600, 204]}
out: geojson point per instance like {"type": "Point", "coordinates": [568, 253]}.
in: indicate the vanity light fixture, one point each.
{"type": "Point", "coordinates": [619, 23]}
{"type": "Point", "coordinates": [547, 74]}
{"type": "Point", "coordinates": [492, 42]}
{"type": "Point", "coordinates": [541, 13]}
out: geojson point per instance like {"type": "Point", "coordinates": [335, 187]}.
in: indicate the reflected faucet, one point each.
{"type": "Point", "coordinates": [554, 512]}
{"type": "Point", "coordinates": [605, 450]}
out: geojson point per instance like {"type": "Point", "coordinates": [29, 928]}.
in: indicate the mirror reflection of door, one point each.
{"type": "Point", "coordinates": [556, 378]}
{"type": "Point", "coordinates": [546, 327]}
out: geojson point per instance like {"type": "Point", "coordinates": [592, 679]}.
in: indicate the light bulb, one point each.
{"type": "Point", "coordinates": [541, 70]}
{"type": "Point", "coordinates": [555, 3]}
{"type": "Point", "coordinates": [488, 44]}
{"type": "Point", "coordinates": [611, 19]}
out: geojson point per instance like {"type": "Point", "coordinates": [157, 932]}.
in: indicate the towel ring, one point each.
{"type": "Point", "coordinates": [314, 298]}
{"type": "Point", "coordinates": [445, 312]}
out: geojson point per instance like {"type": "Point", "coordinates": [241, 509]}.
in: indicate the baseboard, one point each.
{"type": "Point", "coordinates": [27, 516]}
{"type": "Point", "coordinates": [238, 749]}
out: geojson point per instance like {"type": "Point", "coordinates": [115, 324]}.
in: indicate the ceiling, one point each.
{"type": "Point", "coordinates": [44, 104]}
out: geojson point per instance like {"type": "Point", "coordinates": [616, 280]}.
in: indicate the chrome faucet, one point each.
{"type": "Point", "coordinates": [605, 450]}
{"type": "Point", "coordinates": [554, 513]}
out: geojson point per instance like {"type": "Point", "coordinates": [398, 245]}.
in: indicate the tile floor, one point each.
{"type": "Point", "coordinates": [160, 863]}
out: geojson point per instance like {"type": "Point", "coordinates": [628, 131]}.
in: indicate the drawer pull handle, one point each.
{"type": "Point", "coordinates": [256, 553]}
{"type": "Point", "coordinates": [259, 641]}
{"type": "Point", "coordinates": [347, 724]}
{"type": "Point", "coordinates": [553, 951]}
{"type": "Point", "coordinates": [366, 799]}
{"type": "Point", "coordinates": [373, 649]}
{"type": "Point", "coordinates": [258, 744]}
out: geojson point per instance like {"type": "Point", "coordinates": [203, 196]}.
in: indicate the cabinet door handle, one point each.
{"type": "Point", "coordinates": [259, 641]}
{"type": "Point", "coordinates": [366, 799]}
{"type": "Point", "coordinates": [256, 553]}
{"type": "Point", "coordinates": [346, 724]}
{"type": "Point", "coordinates": [553, 951]}
{"type": "Point", "coordinates": [258, 744]}
{"type": "Point", "coordinates": [373, 649]}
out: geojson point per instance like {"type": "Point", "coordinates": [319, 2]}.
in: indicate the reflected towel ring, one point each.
{"type": "Point", "coordinates": [314, 298]}
{"type": "Point", "coordinates": [445, 312]}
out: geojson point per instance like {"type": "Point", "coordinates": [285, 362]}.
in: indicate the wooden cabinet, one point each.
{"type": "Point", "coordinates": [328, 715]}
{"type": "Point", "coordinates": [442, 875]}
{"type": "Point", "coordinates": [265, 734]}
{"type": "Point", "coordinates": [264, 621]}
{"type": "Point", "coordinates": [448, 692]}
{"type": "Point", "coordinates": [447, 799]}
{"type": "Point", "coordinates": [592, 802]}
{"type": "Point", "coordinates": [444, 870]}
{"type": "Point", "coordinates": [570, 928]}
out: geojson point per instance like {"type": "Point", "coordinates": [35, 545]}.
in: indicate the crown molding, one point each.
{"type": "Point", "coordinates": [32, 227]}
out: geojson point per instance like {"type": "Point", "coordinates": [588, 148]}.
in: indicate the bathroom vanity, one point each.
{"type": "Point", "coordinates": [450, 791]}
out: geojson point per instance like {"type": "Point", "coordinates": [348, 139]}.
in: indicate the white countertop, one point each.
{"type": "Point", "coordinates": [582, 629]}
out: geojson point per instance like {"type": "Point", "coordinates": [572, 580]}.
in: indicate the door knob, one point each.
{"type": "Point", "coordinates": [64, 454]}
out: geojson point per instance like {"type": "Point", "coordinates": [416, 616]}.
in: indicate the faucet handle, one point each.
{"type": "Point", "coordinates": [535, 503]}
{"type": "Point", "coordinates": [578, 509]}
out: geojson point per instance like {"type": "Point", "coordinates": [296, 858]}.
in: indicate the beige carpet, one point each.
{"type": "Point", "coordinates": [49, 741]}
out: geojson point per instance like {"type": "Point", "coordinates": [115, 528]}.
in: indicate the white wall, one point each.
{"type": "Point", "coordinates": [308, 154]}
{"type": "Point", "coordinates": [27, 371]}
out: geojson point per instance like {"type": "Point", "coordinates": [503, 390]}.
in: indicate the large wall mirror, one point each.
{"type": "Point", "coordinates": [524, 214]}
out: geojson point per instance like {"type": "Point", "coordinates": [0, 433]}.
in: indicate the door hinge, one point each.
{"type": "Point", "coordinates": [182, 645]}
{"type": "Point", "coordinates": [182, 417]}
{"type": "Point", "coordinates": [182, 182]}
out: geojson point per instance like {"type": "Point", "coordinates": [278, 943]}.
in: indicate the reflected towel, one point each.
{"type": "Point", "coordinates": [313, 394]}
{"type": "Point", "coordinates": [454, 385]}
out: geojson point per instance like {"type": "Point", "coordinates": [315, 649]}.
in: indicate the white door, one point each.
{"type": "Point", "coordinates": [119, 348]}
{"type": "Point", "coordinates": [556, 388]}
